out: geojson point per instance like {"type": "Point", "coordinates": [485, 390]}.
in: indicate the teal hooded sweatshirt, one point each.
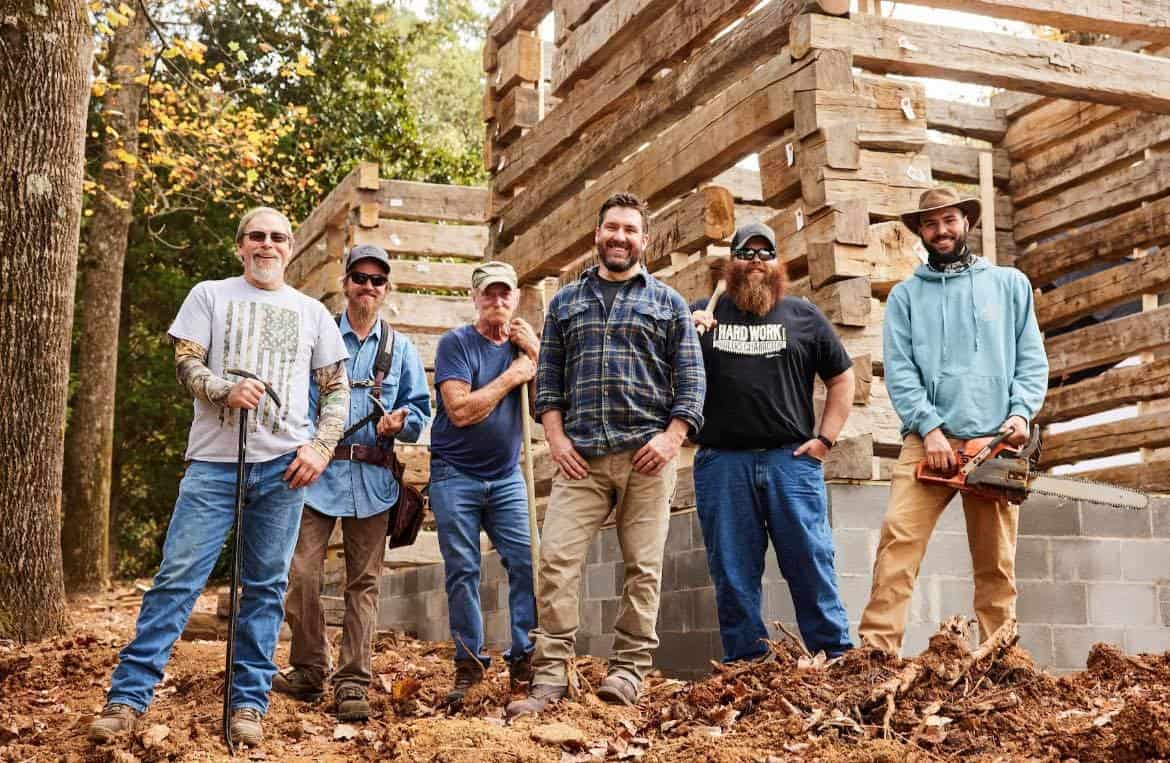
{"type": "Point", "coordinates": [963, 351]}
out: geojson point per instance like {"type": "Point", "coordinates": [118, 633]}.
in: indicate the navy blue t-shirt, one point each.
{"type": "Point", "coordinates": [490, 449]}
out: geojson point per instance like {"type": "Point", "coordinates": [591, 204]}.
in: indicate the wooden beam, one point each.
{"type": "Point", "coordinates": [960, 164]}
{"type": "Point", "coordinates": [987, 220]}
{"type": "Point", "coordinates": [330, 212]}
{"type": "Point", "coordinates": [427, 313]}
{"type": "Point", "coordinates": [1109, 342]}
{"type": "Point", "coordinates": [1115, 286]}
{"type": "Point", "coordinates": [846, 303]}
{"type": "Point", "coordinates": [570, 14]}
{"type": "Point", "coordinates": [966, 119]}
{"type": "Point", "coordinates": [615, 89]}
{"type": "Point", "coordinates": [518, 111]}
{"type": "Point", "coordinates": [1152, 431]}
{"type": "Point", "coordinates": [519, 61]}
{"type": "Point", "coordinates": [1053, 123]}
{"type": "Point", "coordinates": [432, 202]}
{"type": "Point", "coordinates": [703, 217]}
{"type": "Point", "coordinates": [1112, 389]}
{"type": "Point", "coordinates": [429, 274]}
{"type": "Point", "coordinates": [738, 121]}
{"type": "Point", "coordinates": [1015, 105]}
{"type": "Point", "coordinates": [889, 183]}
{"type": "Point", "coordinates": [1105, 196]}
{"type": "Point", "coordinates": [1147, 20]}
{"type": "Point", "coordinates": [1153, 476]}
{"type": "Point", "coordinates": [612, 26]}
{"type": "Point", "coordinates": [428, 239]}
{"type": "Point", "coordinates": [742, 182]}
{"type": "Point", "coordinates": [516, 15]}
{"type": "Point", "coordinates": [890, 115]}
{"type": "Point", "coordinates": [891, 46]}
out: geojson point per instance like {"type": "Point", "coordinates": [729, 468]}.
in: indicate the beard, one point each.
{"type": "Point", "coordinates": [267, 272]}
{"type": "Point", "coordinates": [616, 265]}
{"type": "Point", "coordinates": [364, 310]}
{"type": "Point", "coordinates": [758, 298]}
{"type": "Point", "coordinates": [958, 247]}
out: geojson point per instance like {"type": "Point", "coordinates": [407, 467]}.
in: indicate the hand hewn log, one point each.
{"type": "Point", "coordinates": [1115, 286]}
{"type": "Point", "coordinates": [960, 164]}
{"type": "Point", "coordinates": [403, 237]}
{"type": "Point", "coordinates": [966, 119]}
{"type": "Point", "coordinates": [432, 202]}
{"type": "Point", "coordinates": [1151, 475]}
{"type": "Point", "coordinates": [1108, 342]}
{"type": "Point", "coordinates": [1112, 389]}
{"type": "Point", "coordinates": [703, 217]}
{"type": "Point", "coordinates": [890, 115]}
{"type": "Point", "coordinates": [515, 15]}
{"type": "Point", "coordinates": [330, 212]}
{"type": "Point", "coordinates": [1152, 431]}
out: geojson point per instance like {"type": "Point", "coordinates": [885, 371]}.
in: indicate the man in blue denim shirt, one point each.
{"type": "Point", "coordinates": [358, 489]}
{"type": "Point", "coordinates": [620, 384]}
{"type": "Point", "coordinates": [475, 472]}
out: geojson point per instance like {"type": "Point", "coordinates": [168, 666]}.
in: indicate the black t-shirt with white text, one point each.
{"type": "Point", "coordinates": [760, 372]}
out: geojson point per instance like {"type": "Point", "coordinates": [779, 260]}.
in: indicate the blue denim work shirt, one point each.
{"type": "Point", "coordinates": [354, 488]}
{"type": "Point", "coordinates": [619, 378]}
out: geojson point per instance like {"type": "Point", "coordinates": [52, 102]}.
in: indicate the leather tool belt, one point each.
{"type": "Point", "coordinates": [367, 454]}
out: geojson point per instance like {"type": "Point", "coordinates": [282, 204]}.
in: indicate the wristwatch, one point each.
{"type": "Point", "coordinates": [828, 443]}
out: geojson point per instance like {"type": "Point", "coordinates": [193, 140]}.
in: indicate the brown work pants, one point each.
{"type": "Point", "coordinates": [364, 542]}
{"type": "Point", "coordinates": [576, 511]}
{"type": "Point", "coordinates": [914, 509]}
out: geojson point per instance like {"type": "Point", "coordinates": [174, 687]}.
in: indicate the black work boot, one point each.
{"type": "Point", "coordinates": [352, 704]}
{"type": "Point", "coordinates": [520, 672]}
{"type": "Point", "coordinates": [467, 674]}
{"type": "Point", "coordinates": [299, 684]}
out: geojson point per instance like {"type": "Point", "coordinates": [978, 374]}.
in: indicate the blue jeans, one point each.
{"type": "Point", "coordinates": [462, 505]}
{"type": "Point", "coordinates": [204, 514]}
{"type": "Point", "coordinates": [744, 497]}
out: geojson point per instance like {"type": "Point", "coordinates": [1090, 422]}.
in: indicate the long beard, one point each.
{"type": "Point", "coordinates": [760, 298]}
{"type": "Point", "coordinates": [365, 311]}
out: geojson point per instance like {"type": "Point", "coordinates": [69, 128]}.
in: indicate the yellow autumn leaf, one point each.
{"type": "Point", "coordinates": [116, 19]}
{"type": "Point", "coordinates": [142, 79]}
{"type": "Point", "coordinates": [303, 69]}
{"type": "Point", "coordinates": [98, 88]}
{"type": "Point", "coordinates": [127, 158]}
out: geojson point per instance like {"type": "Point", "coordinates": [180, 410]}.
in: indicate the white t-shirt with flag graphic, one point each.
{"type": "Point", "coordinates": [279, 335]}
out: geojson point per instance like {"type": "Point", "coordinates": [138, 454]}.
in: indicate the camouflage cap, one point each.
{"type": "Point", "coordinates": [493, 272]}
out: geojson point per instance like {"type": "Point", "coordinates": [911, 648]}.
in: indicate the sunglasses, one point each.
{"type": "Point", "coordinates": [260, 236]}
{"type": "Point", "coordinates": [747, 255]}
{"type": "Point", "coordinates": [361, 279]}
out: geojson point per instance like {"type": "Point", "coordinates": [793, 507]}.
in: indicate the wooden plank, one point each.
{"type": "Point", "coordinates": [850, 459]}
{"type": "Point", "coordinates": [1147, 20]}
{"type": "Point", "coordinates": [1108, 342]}
{"type": "Point", "coordinates": [1120, 386]}
{"type": "Point", "coordinates": [518, 111]}
{"type": "Point", "coordinates": [432, 202]}
{"type": "Point", "coordinates": [1104, 148]}
{"type": "Point", "coordinates": [960, 164]}
{"type": "Point", "coordinates": [902, 253]}
{"type": "Point", "coordinates": [738, 121]}
{"type": "Point", "coordinates": [704, 217]}
{"type": "Point", "coordinates": [570, 14]}
{"type": "Point", "coordinates": [890, 46]}
{"type": "Point", "coordinates": [623, 106]}
{"type": "Point", "coordinates": [598, 38]}
{"type": "Point", "coordinates": [429, 239]}
{"type": "Point", "coordinates": [1115, 286]}
{"type": "Point", "coordinates": [516, 15]}
{"type": "Point", "coordinates": [519, 61]}
{"type": "Point", "coordinates": [889, 183]}
{"type": "Point", "coordinates": [966, 119]}
{"type": "Point", "coordinates": [330, 212]}
{"type": "Point", "coordinates": [889, 114]}
{"type": "Point", "coordinates": [426, 313]}
{"type": "Point", "coordinates": [1015, 105]}
{"type": "Point", "coordinates": [1053, 123]}
{"type": "Point", "coordinates": [1114, 239]}
{"type": "Point", "coordinates": [430, 274]}
{"type": "Point", "coordinates": [1005, 245]}
{"type": "Point", "coordinates": [1106, 196]}
{"type": "Point", "coordinates": [1099, 440]}
{"type": "Point", "coordinates": [846, 303]}
{"type": "Point", "coordinates": [990, 212]}
{"type": "Point", "coordinates": [1153, 476]}
{"type": "Point", "coordinates": [780, 171]}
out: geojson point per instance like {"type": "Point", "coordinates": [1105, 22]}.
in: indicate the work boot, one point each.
{"type": "Point", "coordinates": [537, 700]}
{"type": "Point", "coordinates": [114, 719]}
{"type": "Point", "coordinates": [467, 674]}
{"type": "Point", "coordinates": [616, 689]}
{"type": "Point", "coordinates": [298, 684]}
{"type": "Point", "coordinates": [246, 728]}
{"type": "Point", "coordinates": [520, 671]}
{"type": "Point", "coordinates": [351, 703]}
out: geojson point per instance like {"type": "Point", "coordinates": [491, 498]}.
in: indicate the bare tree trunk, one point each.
{"type": "Point", "coordinates": [89, 445]}
{"type": "Point", "coordinates": [45, 55]}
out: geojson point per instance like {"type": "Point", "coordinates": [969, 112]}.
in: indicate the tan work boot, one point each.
{"type": "Point", "coordinates": [298, 684]}
{"type": "Point", "coordinates": [114, 719]}
{"type": "Point", "coordinates": [352, 704]}
{"type": "Point", "coordinates": [467, 674]}
{"type": "Point", "coordinates": [538, 699]}
{"type": "Point", "coordinates": [246, 727]}
{"type": "Point", "coordinates": [616, 689]}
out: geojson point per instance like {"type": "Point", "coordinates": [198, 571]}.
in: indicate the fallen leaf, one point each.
{"type": "Point", "coordinates": [154, 735]}
{"type": "Point", "coordinates": [310, 728]}
{"type": "Point", "coordinates": [561, 734]}
{"type": "Point", "coordinates": [344, 731]}
{"type": "Point", "coordinates": [405, 689]}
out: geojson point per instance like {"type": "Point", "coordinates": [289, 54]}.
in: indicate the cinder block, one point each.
{"type": "Point", "coordinates": [1056, 603]}
{"type": "Point", "coordinates": [674, 611]}
{"type": "Point", "coordinates": [1123, 604]}
{"type": "Point", "coordinates": [777, 603]}
{"type": "Point", "coordinates": [955, 597]}
{"type": "Point", "coordinates": [1160, 515]}
{"type": "Point", "coordinates": [854, 592]}
{"type": "Point", "coordinates": [1071, 645]}
{"type": "Point", "coordinates": [669, 576]}
{"type": "Point", "coordinates": [855, 550]}
{"type": "Point", "coordinates": [953, 518]}
{"type": "Point", "coordinates": [704, 611]}
{"type": "Point", "coordinates": [432, 577]}
{"type": "Point", "coordinates": [492, 570]}
{"type": "Point", "coordinates": [589, 612]}
{"type": "Point", "coordinates": [609, 610]}
{"type": "Point", "coordinates": [435, 604]}
{"type": "Point", "coordinates": [390, 584]}
{"type": "Point", "coordinates": [857, 506]}
{"type": "Point", "coordinates": [697, 532]}
{"type": "Point", "coordinates": [1086, 559]}
{"type": "Point", "coordinates": [678, 535]}
{"type": "Point", "coordinates": [596, 646]}
{"type": "Point", "coordinates": [1164, 604]}
{"type": "Point", "coordinates": [1147, 640]}
{"type": "Point", "coordinates": [611, 549]}
{"type": "Point", "coordinates": [600, 582]}
{"type": "Point", "coordinates": [921, 601]}
{"type": "Point", "coordinates": [1108, 522]}
{"type": "Point", "coordinates": [1032, 558]}
{"type": "Point", "coordinates": [691, 570]}
{"type": "Point", "coordinates": [503, 591]}
{"type": "Point", "coordinates": [488, 597]}
{"type": "Point", "coordinates": [593, 556]}
{"type": "Point", "coordinates": [947, 554]}
{"type": "Point", "coordinates": [1146, 560]}
{"type": "Point", "coordinates": [1036, 639]}
{"type": "Point", "coordinates": [917, 638]}
{"type": "Point", "coordinates": [1047, 515]}
{"type": "Point", "coordinates": [410, 582]}
{"type": "Point", "coordinates": [497, 632]}
{"type": "Point", "coordinates": [687, 653]}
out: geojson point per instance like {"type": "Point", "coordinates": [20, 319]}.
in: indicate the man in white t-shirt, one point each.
{"type": "Point", "coordinates": [256, 323]}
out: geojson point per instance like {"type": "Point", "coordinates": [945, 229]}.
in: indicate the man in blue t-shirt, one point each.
{"type": "Point", "coordinates": [476, 482]}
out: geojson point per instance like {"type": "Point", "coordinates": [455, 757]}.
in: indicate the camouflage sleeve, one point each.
{"type": "Point", "coordinates": [332, 407]}
{"type": "Point", "coordinates": [193, 373]}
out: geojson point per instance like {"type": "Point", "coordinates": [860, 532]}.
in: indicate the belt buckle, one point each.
{"type": "Point", "coordinates": [351, 452]}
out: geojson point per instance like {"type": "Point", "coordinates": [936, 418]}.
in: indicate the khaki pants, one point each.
{"type": "Point", "coordinates": [364, 541]}
{"type": "Point", "coordinates": [910, 519]}
{"type": "Point", "coordinates": [576, 511]}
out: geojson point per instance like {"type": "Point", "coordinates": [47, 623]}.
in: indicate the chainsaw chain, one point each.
{"type": "Point", "coordinates": [1070, 478]}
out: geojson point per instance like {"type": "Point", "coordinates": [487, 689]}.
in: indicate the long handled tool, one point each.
{"type": "Point", "coordinates": [237, 555]}
{"type": "Point", "coordinates": [720, 287]}
{"type": "Point", "coordinates": [529, 481]}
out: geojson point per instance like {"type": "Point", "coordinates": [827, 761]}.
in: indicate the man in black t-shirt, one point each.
{"type": "Point", "coordinates": [758, 472]}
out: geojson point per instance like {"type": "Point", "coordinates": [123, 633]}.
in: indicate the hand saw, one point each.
{"type": "Point", "coordinates": [989, 468]}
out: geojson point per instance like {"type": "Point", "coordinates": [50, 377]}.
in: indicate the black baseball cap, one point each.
{"type": "Point", "coordinates": [367, 252]}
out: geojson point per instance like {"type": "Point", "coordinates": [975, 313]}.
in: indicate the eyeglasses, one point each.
{"type": "Point", "coordinates": [260, 236]}
{"type": "Point", "coordinates": [361, 279]}
{"type": "Point", "coordinates": [747, 255]}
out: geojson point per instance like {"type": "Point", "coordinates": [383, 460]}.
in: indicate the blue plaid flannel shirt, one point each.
{"type": "Point", "coordinates": [620, 379]}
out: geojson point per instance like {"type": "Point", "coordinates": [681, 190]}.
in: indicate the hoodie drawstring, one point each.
{"type": "Point", "coordinates": [974, 309]}
{"type": "Point", "coordinates": [944, 319]}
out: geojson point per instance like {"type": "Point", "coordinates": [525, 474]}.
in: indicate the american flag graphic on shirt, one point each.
{"type": "Point", "coordinates": [263, 339]}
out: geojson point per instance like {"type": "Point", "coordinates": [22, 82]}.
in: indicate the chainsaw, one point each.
{"type": "Point", "coordinates": [989, 468]}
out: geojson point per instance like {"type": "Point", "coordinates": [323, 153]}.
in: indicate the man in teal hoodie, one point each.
{"type": "Point", "coordinates": [963, 358]}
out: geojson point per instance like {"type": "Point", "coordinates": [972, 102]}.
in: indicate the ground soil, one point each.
{"type": "Point", "coordinates": [946, 704]}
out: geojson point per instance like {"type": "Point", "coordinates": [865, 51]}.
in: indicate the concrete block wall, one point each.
{"type": "Point", "coordinates": [1085, 574]}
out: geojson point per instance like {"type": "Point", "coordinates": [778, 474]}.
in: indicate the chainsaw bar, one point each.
{"type": "Point", "coordinates": [1015, 476]}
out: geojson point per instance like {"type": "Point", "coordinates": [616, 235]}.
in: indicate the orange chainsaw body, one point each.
{"type": "Point", "coordinates": [969, 455]}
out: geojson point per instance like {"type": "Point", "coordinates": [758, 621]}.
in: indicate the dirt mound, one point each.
{"type": "Point", "coordinates": [950, 702]}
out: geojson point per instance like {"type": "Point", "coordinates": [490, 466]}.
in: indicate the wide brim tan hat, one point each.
{"type": "Point", "coordinates": [940, 198]}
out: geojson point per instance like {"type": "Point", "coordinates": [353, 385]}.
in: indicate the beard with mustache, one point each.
{"type": "Point", "coordinates": [760, 298]}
